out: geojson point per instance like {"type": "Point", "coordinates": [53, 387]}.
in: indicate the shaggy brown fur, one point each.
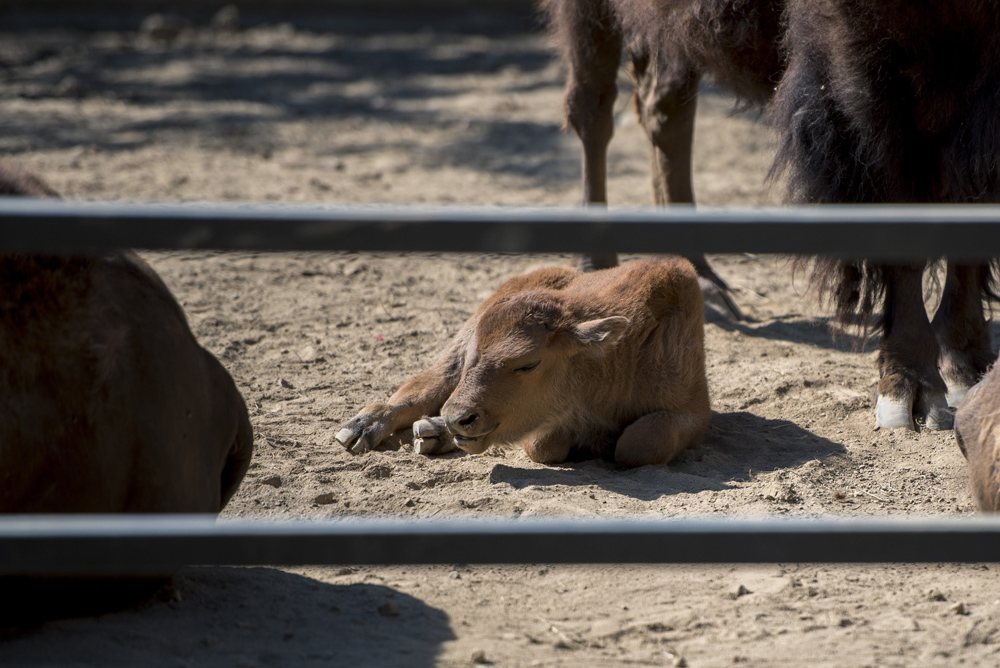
{"type": "Point", "coordinates": [977, 429]}
{"type": "Point", "coordinates": [564, 363]}
{"type": "Point", "coordinates": [109, 403]}
{"type": "Point", "coordinates": [884, 101]}
{"type": "Point", "coordinates": [671, 45]}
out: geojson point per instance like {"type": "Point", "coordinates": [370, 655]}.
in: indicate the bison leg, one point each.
{"type": "Point", "coordinates": [910, 384]}
{"type": "Point", "coordinates": [962, 331]}
{"type": "Point", "coordinates": [667, 101]}
{"type": "Point", "coordinates": [591, 44]}
{"type": "Point", "coordinates": [658, 438]}
{"type": "Point", "coordinates": [420, 396]}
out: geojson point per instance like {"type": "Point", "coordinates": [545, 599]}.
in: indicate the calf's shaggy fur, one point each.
{"type": "Point", "coordinates": [566, 364]}
{"type": "Point", "coordinates": [977, 429]}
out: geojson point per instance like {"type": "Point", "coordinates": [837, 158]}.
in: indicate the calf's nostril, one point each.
{"type": "Point", "coordinates": [468, 419]}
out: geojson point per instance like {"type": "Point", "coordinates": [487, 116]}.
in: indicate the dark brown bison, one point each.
{"type": "Point", "coordinates": [109, 406]}
{"type": "Point", "coordinates": [977, 429]}
{"type": "Point", "coordinates": [109, 403]}
{"type": "Point", "coordinates": [888, 101]}
{"type": "Point", "coordinates": [564, 363]}
{"type": "Point", "coordinates": [671, 46]}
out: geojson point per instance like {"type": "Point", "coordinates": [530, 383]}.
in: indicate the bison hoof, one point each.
{"type": "Point", "coordinates": [894, 414]}
{"type": "Point", "coordinates": [898, 413]}
{"type": "Point", "coordinates": [955, 394]}
{"type": "Point", "coordinates": [431, 437]}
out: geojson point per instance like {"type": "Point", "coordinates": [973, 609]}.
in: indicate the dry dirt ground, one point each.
{"type": "Point", "coordinates": [466, 109]}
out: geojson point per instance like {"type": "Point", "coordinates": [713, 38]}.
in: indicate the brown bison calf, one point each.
{"type": "Point", "coordinates": [977, 429]}
{"type": "Point", "coordinates": [608, 363]}
{"type": "Point", "coordinates": [109, 403]}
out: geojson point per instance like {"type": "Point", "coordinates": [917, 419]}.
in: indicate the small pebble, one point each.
{"type": "Point", "coordinates": [455, 575]}
{"type": "Point", "coordinates": [958, 609]}
{"type": "Point", "coordinates": [935, 595]}
{"type": "Point", "coordinates": [325, 498]}
{"type": "Point", "coordinates": [390, 609]}
{"type": "Point", "coordinates": [741, 591]}
{"type": "Point", "coordinates": [479, 656]}
{"type": "Point", "coordinates": [284, 383]}
{"type": "Point", "coordinates": [273, 481]}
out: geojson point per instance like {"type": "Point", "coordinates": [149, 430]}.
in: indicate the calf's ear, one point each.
{"type": "Point", "coordinates": [600, 332]}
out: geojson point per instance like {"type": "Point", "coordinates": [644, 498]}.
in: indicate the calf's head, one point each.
{"type": "Point", "coordinates": [523, 369]}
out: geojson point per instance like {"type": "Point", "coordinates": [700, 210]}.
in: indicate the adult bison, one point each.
{"type": "Point", "coordinates": [878, 102]}
{"type": "Point", "coordinates": [977, 429]}
{"type": "Point", "coordinates": [109, 403]}
{"type": "Point", "coordinates": [888, 101]}
{"type": "Point", "coordinates": [671, 46]}
{"type": "Point", "coordinates": [564, 363]}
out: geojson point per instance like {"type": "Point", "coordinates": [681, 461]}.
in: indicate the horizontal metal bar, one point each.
{"type": "Point", "coordinates": [882, 232]}
{"type": "Point", "coordinates": [132, 545]}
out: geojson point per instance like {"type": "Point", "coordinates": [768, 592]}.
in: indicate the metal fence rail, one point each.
{"type": "Point", "coordinates": [884, 232]}
{"type": "Point", "coordinates": [135, 545]}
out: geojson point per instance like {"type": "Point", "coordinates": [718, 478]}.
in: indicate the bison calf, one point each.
{"type": "Point", "coordinates": [608, 363]}
{"type": "Point", "coordinates": [977, 429]}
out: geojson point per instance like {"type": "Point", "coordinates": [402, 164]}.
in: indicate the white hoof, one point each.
{"type": "Point", "coordinates": [939, 416]}
{"type": "Point", "coordinates": [894, 414]}
{"type": "Point", "coordinates": [431, 437]}
{"type": "Point", "coordinates": [955, 395]}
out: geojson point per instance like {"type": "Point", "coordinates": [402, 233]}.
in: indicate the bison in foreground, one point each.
{"type": "Point", "coordinates": [977, 429]}
{"type": "Point", "coordinates": [109, 406]}
{"type": "Point", "coordinates": [109, 403]}
{"type": "Point", "coordinates": [565, 363]}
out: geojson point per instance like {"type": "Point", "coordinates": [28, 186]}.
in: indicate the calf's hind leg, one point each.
{"type": "Point", "coordinates": [658, 438]}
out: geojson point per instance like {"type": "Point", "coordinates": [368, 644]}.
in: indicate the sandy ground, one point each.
{"type": "Point", "coordinates": [466, 109]}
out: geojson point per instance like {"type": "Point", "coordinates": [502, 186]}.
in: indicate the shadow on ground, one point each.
{"type": "Point", "coordinates": [736, 444]}
{"type": "Point", "coordinates": [245, 617]}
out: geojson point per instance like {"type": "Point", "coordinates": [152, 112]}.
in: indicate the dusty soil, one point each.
{"type": "Point", "coordinates": [466, 109]}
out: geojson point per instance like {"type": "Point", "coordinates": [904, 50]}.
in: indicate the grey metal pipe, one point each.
{"type": "Point", "coordinates": [967, 232]}
{"type": "Point", "coordinates": [135, 545]}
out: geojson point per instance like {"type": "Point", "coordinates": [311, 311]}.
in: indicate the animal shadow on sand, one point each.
{"type": "Point", "coordinates": [794, 328]}
{"type": "Point", "coordinates": [736, 445]}
{"type": "Point", "coordinates": [244, 617]}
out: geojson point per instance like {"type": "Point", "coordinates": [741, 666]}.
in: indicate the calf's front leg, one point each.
{"type": "Point", "coordinates": [419, 397]}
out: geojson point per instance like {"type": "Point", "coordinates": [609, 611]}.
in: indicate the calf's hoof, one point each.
{"type": "Point", "coordinates": [431, 437]}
